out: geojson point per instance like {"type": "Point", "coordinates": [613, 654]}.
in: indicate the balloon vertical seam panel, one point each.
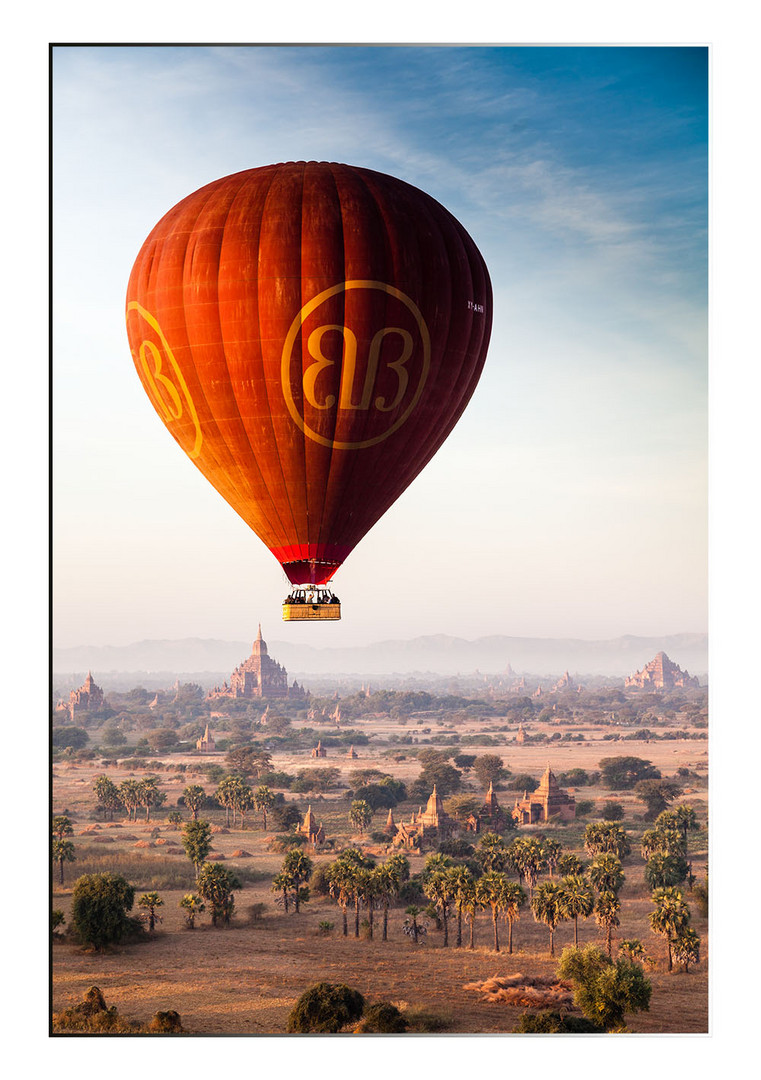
{"type": "Point", "coordinates": [310, 334]}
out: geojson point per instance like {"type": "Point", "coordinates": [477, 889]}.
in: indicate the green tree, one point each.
{"type": "Point", "coordinates": [492, 853]}
{"type": "Point", "coordinates": [390, 877]}
{"type": "Point", "coordinates": [326, 1007]}
{"type": "Point", "coordinates": [683, 818]}
{"type": "Point", "coordinates": [196, 840]}
{"type": "Point", "coordinates": [622, 773]}
{"type": "Point", "coordinates": [632, 948]}
{"type": "Point", "coordinates": [686, 947]}
{"type": "Point", "coordinates": [63, 852]}
{"type": "Point", "coordinates": [129, 795]}
{"type": "Point", "coordinates": [282, 883]}
{"type": "Point", "coordinates": [570, 864]}
{"type": "Point", "coordinates": [149, 795]}
{"type": "Point", "coordinates": [656, 795]}
{"type": "Point", "coordinates": [264, 800]}
{"type": "Point", "coordinates": [107, 794]}
{"type": "Point", "coordinates": [605, 991]}
{"type": "Point", "coordinates": [174, 818]}
{"type": "Point", "coordinates": [195, 798]}
{"type": "Point", "coordinates": [340, 877]}
{"type": "Point", "coordinates": [61, 826]}
{"type": "Point", "coordinates": [360, 814]}
{"type": "Point", "coordinates": [246, 761]}
{"type": "Point", "coordinates": [463, 890]}
{"type": "Point", "coordinates": [578, 899]}
{"type": "Point", "coordinates": [515, 898]}
{"type": "Point", "coordinates": [225, 796]}
{"type": "Point", "coordinates": [606, 836]}
{"type": "Point", "coordinates": [606, 873]}
{"type": "Point", "coordinates": [551, 850]}
{"type": "Point", "coordinates": [606, 915]}
{"type": "Point", "coordinates": [242, 799]}
{"type": "Point", "coordinates": [491, 892]}
{"type": "Point", "coordinates": [670, 917]}
{"type": "Point", "coordinates": [439, 888]}
{"type": "Point", "coordinates": [525, 855]}
{"type": "Point", "coordinates": [192, 905]}
{"type": "Point", "coordinates": [664, 870]}
{"type": "Point", "coordinates": [488, 769]}
{"type": "Point", "coordinates": [217, 884]}
{"type": "Point", "coordinates": [548, 907]}
{"type": "Point", "coordinates": [298, 866]}
{"type": "Point", "coordinates": [100, 903]}
{"type": "Point", "coordinates": [151, 901]}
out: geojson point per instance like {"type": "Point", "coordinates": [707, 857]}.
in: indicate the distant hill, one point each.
{"type": "Point", "coordinates": [436, 653]}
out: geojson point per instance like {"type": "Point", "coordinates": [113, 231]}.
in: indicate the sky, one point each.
{"type": "Point", "coordinates": [572, 494]}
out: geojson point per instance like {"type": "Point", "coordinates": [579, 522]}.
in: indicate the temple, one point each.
{"type": "Point", "coordinates": [661, 674]}
{"type": "Point", "coordinates": [314, 833]}
{"type": "Point", "coordinates": [547, 802]}
{"type": "Point", "coordinates": [257, 677]}
{"type": "Point", "coordinates": [433, 820]}
{"type": "Point", "coordinates": [87, 698]}
{"type": "Point", "coordinates": [206, 743]}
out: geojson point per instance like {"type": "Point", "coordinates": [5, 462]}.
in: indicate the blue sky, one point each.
{"type": "Point", "coordinates": [574, 487]}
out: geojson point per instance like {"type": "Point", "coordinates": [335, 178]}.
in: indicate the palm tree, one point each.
{"type": "Point", "coordinates": [526, 854]}
{"type": "Point", "coordinates": [606, 915]}
{"type": "Point", "coordinates": [389, 878]}
{"type": "Point", "coordinates": [63, 851]}
{"type": "Point", "coordinates": [686, 948]}
{"type": "Point", "coordinates": [551, 852]}
{"type": "Point", "coordinates": [225, 796]}
{"type": "Point", "coordinates": [548, 908]}
{"type": "Point", "coordinates": [242, 799]}
{"type": "Point", "coordinates": [129, 793]}
{"type": "Point", "coordinates": [193, 905]}
{"type": "Point", "coordinates": [492, 852]}
{"type": "Point", "coordinates": [151, 901]}
{"type": "Point", "coordinates": [282, 883]}
{"type": "Point", "coordinates": [491, 891]}
{"type": "Point", "coordinates": [606, 872]}
{"type": "Point", "coordinates": [606, 836]}
{"type": "Point", "coordinates": [340, 886]}
{"type": "Point", "coordinates": [196, 840]}
{"type": "Point", "coordinates": [194, 796]}
{"type": "Point", "coordinates": [264, 800]}
{"type": "Point", "coordinates": [149, 795]}
{"type": "Point", "coordinates": [411, 926]}
{"type": "Point", "coordinates": [298, 867]}
{"type": "Point", "coordinates": [439, 888]}
{"type": "Point", "coordinates": [515, 898]}
{"type": "Point", "coordinates": [670, 917]}
{"type": "Point", "coordinates": [463, 888]}
{"type": "Point", "coordinates": [578, 899]}
{"type": "Point", "coordinates": [360, 814]}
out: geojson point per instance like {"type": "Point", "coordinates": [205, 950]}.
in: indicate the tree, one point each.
{"type": "Point", "coordinates": [463, 891]}
{"type": "Point", "coordinates": [360, 814]}
{"type": "Point", "coordinates": [664, 870]}
{"type": "Point", "coordinates": [61, 826]}
{"type": "Point", "coordinates": [298, 866]}
{"type": "Point", "coordinates": [216, 884]}
{"type": "Point", "coordinates": [491, 891]}
{"type": "Point", "coordinates": [65, 737]}
{"type": "Point", "coordinates": [602, 836]}
{"type": "Point", "coordinates": [578, 899]}
{"type": "Point", "coordinates": [439, 888]}
{"type": "Point", "coordinates": [282, 883]}
{"type": "Point", "coordinates": [570, 864]}
{"type": "Point", "coordinates": [242, 799]}
{"type": "Point", "coordinates": [612, 810]}
{"type": "Point", "coordinates": [326, 1007]}
{"type": "Point", "coordinates": [151, 901]}
{"type": "Point", "coordinates": [129, 795]}
{"type": "Point", "coordinates": [412, 927]}
{"type": "Point", "coordinates": [225, 796]}
{"type": "Point", "coordinates": [196, 839]}
{"type": "Point", "coordinates": [174, 818]}
{"type": "Point", "coordinates": [63, 851]}
{"type": "Point", "coordinates": [100, 903]}
{"type": "Point", "coordinates": [525, 855]}
{"type": "Point", "coordinates": [192, 905]}
{"type": "Point", "coordinates": [548, 907]}
{"type": "Point", "coordinates": [492, 853]}
{"type": "Point", "coordinates": [656, 794]}
{"type": "Point", "coordinates": [622, 773]}
{"type": "Point", "coordinates": [605, 991]}
{"type": "Point", "coordinates": [248, 761]}
{"type": "Point", "coordinates": [686, 948]}
{"type": "Point", "coordinates": [515, 898]}
{"type": "Point", "coordinates": [107, 794]}
{"type": "Point", "coordinates": [551, 850]}
{"type": "Point", "coordinates": [195, 798]}
{"type": "Point", "coordinates": [606, 873]}
{"type": "Point", "coordinates": [606, 915]}
{"type": "Point", "coordinates": [264, 800]}
{"type": "Point", "coordinates": [488, 769]}
{"type": "Point", "coordinates": [683, 818]}
{"type": "Point", "coordinates": [670, 917]}
{"type": "Point", "coordinates": [390, 877]}
{"type": "Point", "coordinates": [148, 795]}
{"type": "Point", "coordinates": [340, 886]}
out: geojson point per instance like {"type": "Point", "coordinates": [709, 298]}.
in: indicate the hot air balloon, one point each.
{"type": "Point", "coordinates": [309, 333]}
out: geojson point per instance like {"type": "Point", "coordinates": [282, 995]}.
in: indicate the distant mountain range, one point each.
{"type": "Point", "coordinates": [438, 653]}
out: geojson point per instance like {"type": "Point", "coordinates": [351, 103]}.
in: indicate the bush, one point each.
{"type": "Point", "coordinates": [584, 807]}
{"type": "Point", "coordinates": [612, 811]}
{"type": "Point", "coordinates": [421, 1020]}
{"type": "Point", "coordinates": [605, 990]}
{"type": "Point", "coordinates": [382, 1018]}
{"type": "Point", "coordinates": [555, 1023]}
{"type": "Point", "coordinates": [326, 1007]}
{"type": "Point", "coordinates": [99, 909]}
{"type": "Point", "coordinates": [166, 1022]}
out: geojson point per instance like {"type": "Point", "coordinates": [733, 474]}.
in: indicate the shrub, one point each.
{"type": "Point", "coordinates": [555, 1023]}
{"type": "Point", "coordinates": [584, 807]}
{"type": "Point", "coordinates": [605, 990]}
{"type": "Point", "coordinates": [422, 1020]}
{"type": "Point", "coordinates": [325, 928]}
{"type": "Point", "coordinates": [166, 1022]}
{"type": "Point", "coordinates": [382, 1018]}
{"type": "Point", "coordinates": [99, 909]}
{"type": "Point", "coordinates": [612, 811]}
{"type": "Point", "coordinates": [326, 1007]}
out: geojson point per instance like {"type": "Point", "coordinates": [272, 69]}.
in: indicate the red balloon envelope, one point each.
{"type": "Point", "coordinates": [309, 333]}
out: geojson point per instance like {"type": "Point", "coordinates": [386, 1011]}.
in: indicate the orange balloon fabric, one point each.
{"type": "Point", "coordinates": [309, 333]}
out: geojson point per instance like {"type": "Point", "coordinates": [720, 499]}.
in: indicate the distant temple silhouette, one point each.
{"type": "Point", "coordinates": [258, 677]}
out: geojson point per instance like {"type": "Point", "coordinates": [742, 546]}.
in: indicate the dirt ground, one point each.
{"type": "Point", "coordinates": [245, 979]}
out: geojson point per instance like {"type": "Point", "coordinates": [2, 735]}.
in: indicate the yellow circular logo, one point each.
{"type": "Point", "coordinates": [361, 367]}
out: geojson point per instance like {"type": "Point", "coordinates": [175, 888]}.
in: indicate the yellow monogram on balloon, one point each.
{"type": "Point", "coordinates": [352, 397]}
{"type": "Point", "coordinates": [167, 389]}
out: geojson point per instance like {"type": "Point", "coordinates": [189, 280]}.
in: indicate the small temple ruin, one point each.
{"type": "Point", "coordinates": [313, 831]}
{"type": "Point", "coordinates": [548, 801]}
{"type": "Point", "coordinates": [206, 743]}
{"type": "Point", "coordinates": [87, 698]}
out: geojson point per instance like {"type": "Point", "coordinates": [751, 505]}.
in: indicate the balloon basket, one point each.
{"type": "Point", "coordinates": [307, 612]}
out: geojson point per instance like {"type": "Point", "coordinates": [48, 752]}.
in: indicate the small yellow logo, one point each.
{"type": "Point", "coordinates": [167, 389]}
{"type": "Point", "coordinates": [382, 378]}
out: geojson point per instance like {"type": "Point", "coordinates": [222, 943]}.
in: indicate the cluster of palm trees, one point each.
{"type": "Point", "coordinates": [135, 794]}
{"type": "Point", "coordinates": [665, 847]}
{"type": "Point", "coordinates": [671, 919]}
{"type": "Point", "coordinates": [236, 796]}
{"type": "Point", "coordinates": [354, 879]}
